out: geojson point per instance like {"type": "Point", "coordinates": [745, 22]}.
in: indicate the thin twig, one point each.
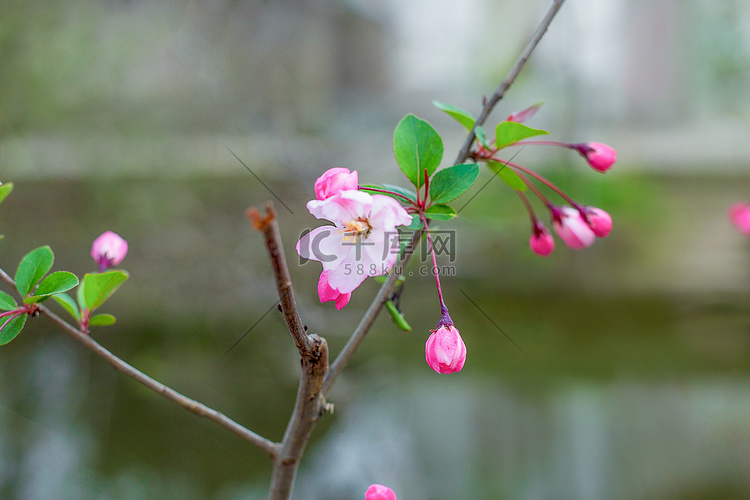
{"type": "Point", "coordinates": [368, 319]}
{"type": "Point", "coordinates": [463, 154]}
{"type": "Point", "coordinates": [191, 405]}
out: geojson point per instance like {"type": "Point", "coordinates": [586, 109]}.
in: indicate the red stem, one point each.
{"type": "Point", "coordinates": [434, 263]}
{"type": "Point", "coordinates": [385, 191]}
{"type": "Point", "coordinates": [541, 179]}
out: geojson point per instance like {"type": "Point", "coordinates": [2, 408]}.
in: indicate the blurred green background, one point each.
{"type": "Point", "coordinates": [629, 377]}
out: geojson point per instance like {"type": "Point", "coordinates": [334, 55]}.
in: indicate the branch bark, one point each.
{"type": "Point", "coordinates": [188, 404]}
{"type": "Point", "coordinates": [313, 350]}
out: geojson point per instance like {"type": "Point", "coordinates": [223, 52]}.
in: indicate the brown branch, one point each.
{"type": "Point", "coordinates": [313, 350]}
{"type": "Point", "coordinates": [370, 316]}
{"type": "Point", "coordinates": [190, 405]}
{"type": "Point", "coordinates": [463, 154]}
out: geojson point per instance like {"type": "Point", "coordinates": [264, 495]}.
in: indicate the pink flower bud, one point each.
{"type": "Point", "coordinates": [326, 292]}
{"type": "Point", "coordinates": [335, 180]}
{"type": "Point", "coordinates": [571, 228]}
{"type": "Point", "coordinates": [108, 250]}
{"type": "Point", "coordinates": [599, 221]}
{"type": "Point", "coordinates": [739, 215]}
{"type": "Point", "coordinates": [379, 492]}
{"type": "Point", "coordinates": [445, 350]}
{"type": "Point", "coordinates": [523, 115]}
{"type": "Point", "coordinates": [541, 241]}
{"type": "Point", "coordinates": [598, 155]}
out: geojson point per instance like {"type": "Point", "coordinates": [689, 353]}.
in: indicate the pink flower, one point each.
{"type": "Point", "coordinates": [335, 180]}
{"type": "Point", "coordinates": [445, 350]}
{"type": "Point", "coordinates": [739, 215]}
{"type": "Point", "coordinates": [108, 250]}
{"type": "Point", "coordinates": [541, 241]}
{"type": "Point", "coordinates": [379, 492]}
{"type": "Point", "coordinates": [600, 221]}
{"type": "Point", "coordinates": [363, 242]}
{"type": "Point", "coordinates": [326, 293]}
{"type": "Point", "coordinates": [571, 228]}
{"type": "Point", "coordinates": [523, 115]}
{"type": "Point", "coordinates": [598, 155]}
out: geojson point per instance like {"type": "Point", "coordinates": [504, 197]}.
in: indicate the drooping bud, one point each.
{"type": "Point", "coordinates": [379, 492]}
{"type": "Point", "coordinates": [335, 180]}
{"type": "Point", "coordinates": [541, 240]}
{"type": "Point", "coordinates": [600, 156]}
{"type": "Point", "coordinates": [327, 293]}
{"type": "Point", "coordinates": [525, 114]}
{"type": "Point", "coordinates": [739, 215]}
{"type": "Point", "coordinates": [571, 228]}
{"type": "Point", "coordinates": [108, 250]}
{"type": "Point", "coordinates": [445, 350]}
{"type": "Point", "coordinates": [599, 221]}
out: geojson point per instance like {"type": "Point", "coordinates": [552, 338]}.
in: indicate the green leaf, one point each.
{"type": "Point", "coordinates": [507, 133]}
{"type": "Point", "coordinates": [507, 175]}
{"type": "Point", "coordinates": [461, 116]}
{"type": "Point", "coordinates": [450, 183]}
{"type": "Point", "coordinates": [99, 287]}
{"type": "Point", "coordinates": [390, 187]}
{"type": "Point", "coordinates": [68, 304]}
{"type": "Point", "coordinates": [398, 316]}
{"type": "Point", "coordinates": [416, 222]}
{"type": "Point", "coordinates": [102, 320]}
{"type": "Point", "coordinates": [5, 190]}
{"type": "Point", "coordinates": [57, 282]}
{"type": "Point", "coordinates": [12, 329]}
{"type": "Point", "coordinates": [440, 212]}
{"type": "Point", "coordinates": [32, 268]}
{"type": "Point", "coordinates": [7, 303]}
{"type": "Point", "coordinates": [417, 146]}
{"type": "Point", "coordinates": [482, 137]}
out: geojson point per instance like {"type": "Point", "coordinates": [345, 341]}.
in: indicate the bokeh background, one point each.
{"type": "Point", "coordinates": [627, 374]}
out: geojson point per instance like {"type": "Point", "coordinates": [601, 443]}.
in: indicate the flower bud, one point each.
{"type": "Point", "coordinates": [571, 228]}
{"type": "Point", "coordinates": [335, 180]}
{"type": "Point", "coordinates": [541, 241]}
{"type": "Point", "coordinates": [445, 350]}
{"type": "Point", "coordinates": [598, 155]}
{"type": "Point", "coordinates": [599, 221]}
{"type": "Point", "coordinates": [379, 492]}
{"type": "Point", "coordinates": [326, 292]}
{"type": "Point", "coordinates": [108, 250]}
{"type": "Point", "coordinates": [739, 215]}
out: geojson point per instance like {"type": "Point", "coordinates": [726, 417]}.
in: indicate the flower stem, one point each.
{"type": "Point", "coordinates": [540, 178]}
{"type": "Point", "coordinates": [542, 143]}
{"type": "Point", "coordinates": [443, 309]}
{"type": "Point", "coordinates": [385, 191]}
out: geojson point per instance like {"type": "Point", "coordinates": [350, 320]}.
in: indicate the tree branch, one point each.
{"type": "Point", "coordinates": [313, 350]}
{"type": "Point", "coordinates": [463, 154]}
{"type": "Point", "coordinates": [190, 405]}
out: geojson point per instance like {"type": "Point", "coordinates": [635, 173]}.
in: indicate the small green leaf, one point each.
{"type": "Point", "coordinates": [507, 133]}
{"type": "Point", "coordinates": [7, 303]}
{"type": "Point", "coordinates": [57, 282]}
{"type": "Point", "coordinates": [99, 287]}
{"type": "Point", "coordinates": [416, 222]}
{"type": "Point", "coordinates": [12, 328]}
{"type": "Point", "coordinates": [417, 146]}
{"type": "Point", "coordinates": [5, 190]}
{"type": "Point", "coordinates": [102, 320]}
{"type": "Point", "coordinates": [458, 114]}
{"type": "Point", "coordinates": [440, 212]}
{"type": "Point", "coordinates": [32, 268]}
{"type": "Point", "coordinates": [507, 175]}
{"type": "Point", "coordinates": [398, 316]}
{"type": "Point", "coordinates": [450, 183]}
{"type": "Point", "coordinates": [482, 137]}
{"type": "Point", "coordinates": [389, 187]}
{"type": "Point", "coordinates": [68, 304]}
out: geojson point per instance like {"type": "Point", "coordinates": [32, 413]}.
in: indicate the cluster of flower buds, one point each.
{"type": "Point", "coordinates": [576, 225]}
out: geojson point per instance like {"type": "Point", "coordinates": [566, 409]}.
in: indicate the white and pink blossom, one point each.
{"type": "Point", "coordinates": [108, 249]}
{"type": "Point", "coordinates": [571, 228]}
{"type": "Point", "coordinates": [363, 241]}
